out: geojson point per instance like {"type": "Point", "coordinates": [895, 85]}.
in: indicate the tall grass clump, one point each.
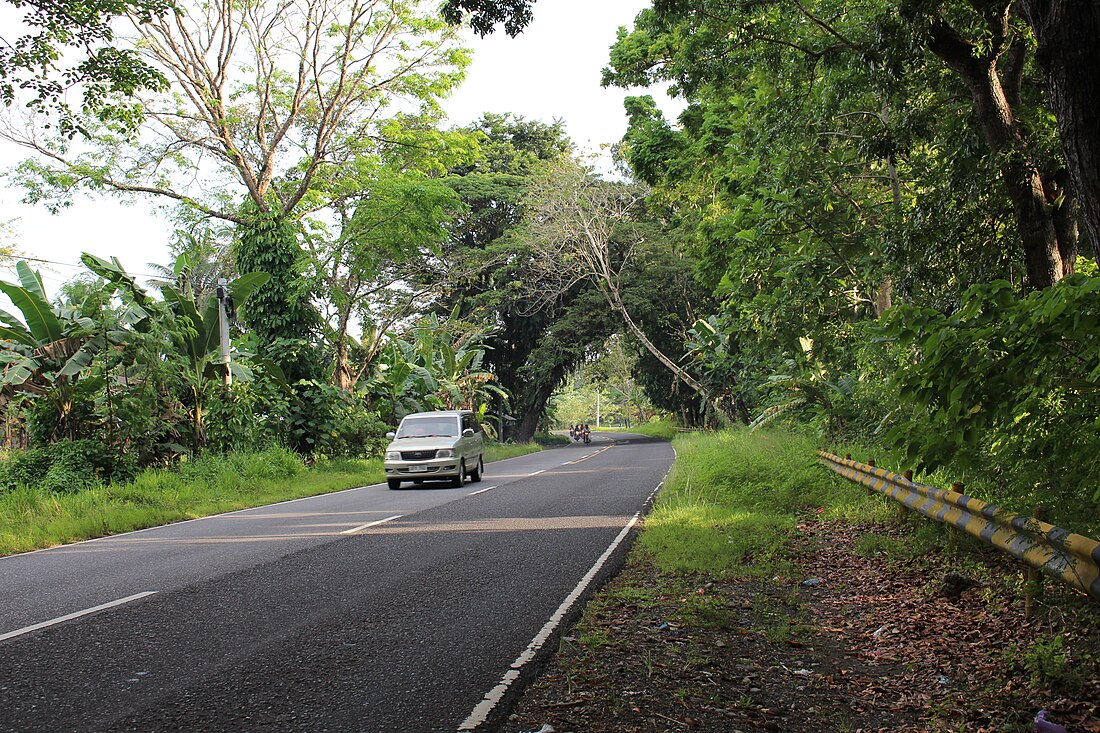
{"type": "Point", "coordinates": [733, 500]}
{"type": "Point", "coordinates": [503, 451]}
{"type": "Point", "coordinates": [665, 429]}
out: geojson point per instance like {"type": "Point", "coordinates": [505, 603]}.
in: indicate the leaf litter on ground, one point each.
{"type": "Point", "coordinates": [879, 642]}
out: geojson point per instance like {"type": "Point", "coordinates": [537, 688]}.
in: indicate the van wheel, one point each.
{"type": "Point", "coordinates": [460, 480]}
{"type": "Point", "coordinates": [393, 483]}
{"type": "Point", "coordinates": [475, 475]}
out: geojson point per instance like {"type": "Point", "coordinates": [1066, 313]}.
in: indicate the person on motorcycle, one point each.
{"type": "Point", "coordinates": [586, 434]}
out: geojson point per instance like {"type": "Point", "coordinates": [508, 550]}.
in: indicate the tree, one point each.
{"type": "Point", "coordinates": [484, 15]}
{"type": "Point", "coordinates": [870, 84]}
{"type": "Point", "coordinates": [580, 228]}
{"type": "Point", "coordinates": [482, 265]}
{"type": "Point", "coordinates": [322, 76]}
{"type": "Point", "coordinates": [390, 217]}
{"type": "Point", "coordinates": [108, 76]}
{"type": "Point", "coordinates": [991, 63]}
{"type": "Point", "coordinates": [1067, 33]}
{"type": "Point", "coordinates": [271, 103]}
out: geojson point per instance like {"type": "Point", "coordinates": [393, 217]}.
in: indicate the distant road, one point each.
{"type": "Point", "coordinates": [368, 610]}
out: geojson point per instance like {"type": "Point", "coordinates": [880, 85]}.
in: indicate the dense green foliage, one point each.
{"type": "Point", "coordinates": [844, 194]}
{"type": "Point", "coordinates": [1007, 384]}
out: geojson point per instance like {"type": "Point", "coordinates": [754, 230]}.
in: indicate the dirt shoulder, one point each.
{"type": "Point", "coordinates": [866, 636]}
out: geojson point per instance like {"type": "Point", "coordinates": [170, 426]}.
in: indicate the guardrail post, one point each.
{"type": "Point", "coordinates": [952, 530]}
{"type": "Point", "coordinates": [902, 509]}
{"type": "Point", "coordinates": [1033, 583]}
{"type": "Point", "coordinates": [870, 491]}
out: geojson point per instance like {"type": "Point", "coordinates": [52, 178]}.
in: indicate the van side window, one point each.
{"type": "Point", "coordinates": [468, 422]}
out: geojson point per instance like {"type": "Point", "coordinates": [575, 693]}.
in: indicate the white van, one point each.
{"type": "Point", "coordinates": [433, 446]}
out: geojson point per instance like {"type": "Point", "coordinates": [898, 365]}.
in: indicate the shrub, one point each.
{"type": "Point", "coordinates": [68, 465]}
{"type": "Point", "coordinates": [272, 463]}
{"type": "Point", "coordinates": [1007, 385]}
{"type": "Point", "coordinates": [24, 467]}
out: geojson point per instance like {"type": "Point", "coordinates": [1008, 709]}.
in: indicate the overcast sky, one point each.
{"type": "Point", "coordinates": [551, 71]}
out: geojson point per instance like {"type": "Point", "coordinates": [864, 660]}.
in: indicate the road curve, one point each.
{"type": "Point", "coordinates": [367, 610]}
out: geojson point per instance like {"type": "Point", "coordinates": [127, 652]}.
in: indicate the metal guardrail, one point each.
{"type": "Point", "coordinates": [1071, 558]}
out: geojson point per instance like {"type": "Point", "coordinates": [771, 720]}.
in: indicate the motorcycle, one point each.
{"type": "Point", "coordinates": [587, 436]}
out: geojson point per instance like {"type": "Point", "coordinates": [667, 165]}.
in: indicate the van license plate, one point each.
{"type": "Point", "coordinates": [418, 469]}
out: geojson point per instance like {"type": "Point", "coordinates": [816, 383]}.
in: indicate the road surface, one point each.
{"type": "Point", "coordinates": [368, 610]}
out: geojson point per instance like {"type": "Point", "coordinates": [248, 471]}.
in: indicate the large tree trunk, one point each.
{"type": "Point", "coordinates": [992, 97]}
{"type": "Point", "coordinates": [531, 412]}
{"type": "Point", "coordinates": [1068, 37]}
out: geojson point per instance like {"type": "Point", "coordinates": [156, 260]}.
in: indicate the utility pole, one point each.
{"type": "Point", "coordinates": [223, 328]}
{"type": "Point", "coordinates": [597, 409]}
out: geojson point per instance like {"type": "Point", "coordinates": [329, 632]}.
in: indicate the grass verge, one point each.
{"type": "Point", "coordinates": [766, 593]}
{"type": "Point", "coordinates": [32, 518]}
{"type": "Point", "coordinates": [665, 429]}
{"type": "Point", "coordinates": [733, 500]}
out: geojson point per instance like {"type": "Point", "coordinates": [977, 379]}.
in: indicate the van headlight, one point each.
{"type": "Point", "coordinates": [393, 455]}
{"type": "Point", "coordinates": [445, 453]}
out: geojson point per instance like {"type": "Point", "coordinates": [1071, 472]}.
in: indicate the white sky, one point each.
{"type": "Point", "coordinates": [550, 71]}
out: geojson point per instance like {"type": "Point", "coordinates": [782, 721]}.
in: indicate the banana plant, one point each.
{"type": "Point", "coordinates": [435, 369]}
{"type": "Point", "coordinates": [194, 333]}
{"type": "Point", "coordinates": [48, 351]}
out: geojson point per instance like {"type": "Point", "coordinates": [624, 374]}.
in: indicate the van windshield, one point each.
{"type": "Point", "coordinates": [428, 427]}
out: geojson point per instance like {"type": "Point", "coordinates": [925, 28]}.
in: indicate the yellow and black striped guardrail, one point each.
{"type": "Point", "coordinates": [1071, 558]}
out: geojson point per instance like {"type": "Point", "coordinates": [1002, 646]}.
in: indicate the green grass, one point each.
{"type": "Point", "coordinates": [733, 499]}
{"type": "Point", "coordinates": [552, 440]}
{"type": "Point", "coordinates": [31, 518]}
{"type": "Point", "coordinates": [500, 451]}
{"type": "Point", "coordinates": [665, 429]}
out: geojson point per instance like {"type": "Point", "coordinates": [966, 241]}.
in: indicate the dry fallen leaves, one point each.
{"type": "Point", "coordinates": [870, 646]}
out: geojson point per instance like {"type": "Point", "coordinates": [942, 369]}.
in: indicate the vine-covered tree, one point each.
{"type": "Point", "coordinates": [266, 100]}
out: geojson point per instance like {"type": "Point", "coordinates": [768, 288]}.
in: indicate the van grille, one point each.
{"type": "Point", "coordinates": [417, 455]}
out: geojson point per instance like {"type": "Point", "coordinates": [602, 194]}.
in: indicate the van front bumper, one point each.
{"type": "Point", "coordinates": [447, 467]}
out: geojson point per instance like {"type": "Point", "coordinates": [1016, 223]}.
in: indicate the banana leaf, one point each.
{"type": "Point", "coordinates": [37, 313]}
{"type": "Point", "coordinates": [30, 280]}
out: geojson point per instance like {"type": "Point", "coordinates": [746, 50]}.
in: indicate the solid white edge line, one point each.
{"type": "Point", "coordinates": [368, 525]}
{"type": "Point", "coordinates": [77, 614]}
{"type": "Point", "coordinates": [481, 491]}
{"type": "Point", "coordinates": [483, 709]}
{"type": "Point", "coordinates": [536, 473]}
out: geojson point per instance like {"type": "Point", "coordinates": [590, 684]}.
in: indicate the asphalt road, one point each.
{"type": "Point", "coordinates": [369, 610]}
